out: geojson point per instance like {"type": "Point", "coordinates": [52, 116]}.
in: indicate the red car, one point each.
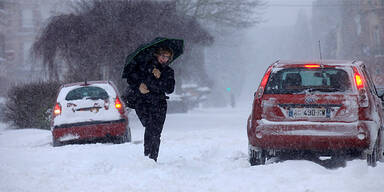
{"type": "Point", "coordinates": [328, 108]}
{"type": "Point", "coordinates": [89, 112]}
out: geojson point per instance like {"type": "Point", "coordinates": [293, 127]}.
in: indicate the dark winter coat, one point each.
{"type": "Point", "coordinates": [151, 108]}
{"type": "Point", "coordinates": [142, 73]}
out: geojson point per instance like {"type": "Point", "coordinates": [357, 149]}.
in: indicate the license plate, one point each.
{"type": "Point", "coordinates": [308, 112]}
{"type": "Point", "coordinates": [91, 109]}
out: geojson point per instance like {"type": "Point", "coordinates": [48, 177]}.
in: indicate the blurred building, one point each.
{"type": "Point", "coordinates": [2, 39]}
{"type": "Point", "coordinates": [352, 30]}
{"type": "Point", "coordinates": [363, 29]}
{"type": "Point", "coordinates": [21, 20]}
{"type": "Point", "coordinates": [372, 14]}
{"type": "Point", "coordinates": [326, 19]}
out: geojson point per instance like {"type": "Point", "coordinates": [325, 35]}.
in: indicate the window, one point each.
{"type": "Point", "coordinates": [297, 80]}
{"type": "Point", "coordinates": [26, 54]}
{"type": "Point", "coordinates": [27, 18]}
{"type": "Point", "coordinates": [89, 92]}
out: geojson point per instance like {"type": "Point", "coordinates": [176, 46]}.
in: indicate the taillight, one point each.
{"type": "Point", "coordinates": [119, 106]}
{"type": "Point", "coordinates": [312, 66]}
{"type": "Point", "coordinates": [359, 82]}
{"type": "Point", "coordinates": [57, 109]}
{"type": "Point", "coordinates": [263, 83]}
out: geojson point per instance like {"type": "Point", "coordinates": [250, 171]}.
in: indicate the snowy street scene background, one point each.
{"type": "Point", "coordinates": [204, 150]}
{"type": "Point", "coordinates": [228, 46]}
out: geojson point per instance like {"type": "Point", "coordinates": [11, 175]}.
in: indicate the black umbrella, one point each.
{"type": "Point", "coordinates": [143, 52]}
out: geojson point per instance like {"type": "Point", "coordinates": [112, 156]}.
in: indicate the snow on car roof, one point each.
{"type": "Point", "coordinates": [322, 62]}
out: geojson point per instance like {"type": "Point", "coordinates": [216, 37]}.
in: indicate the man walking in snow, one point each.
{"type": "Point", "coordinates": [152, 80]}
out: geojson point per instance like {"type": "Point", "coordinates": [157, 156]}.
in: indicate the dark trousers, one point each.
{"type": "Point", "coordinates": [152, 117]}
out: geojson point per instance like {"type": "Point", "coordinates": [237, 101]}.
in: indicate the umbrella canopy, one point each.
{"type": "Point", "coordinates": [144, 52]}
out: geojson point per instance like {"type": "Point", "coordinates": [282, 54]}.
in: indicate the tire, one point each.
{"type": "Point", "coordinates": [380, 153]}
{"type": "Point", "coordinates": [257, 157]}
{"type": "Point", "coordinates": [56, 143]}
{"type": "Point", "coordinates": [373, 157]}
{"type": "Point", "coordinates": [125, 138]}
{"type": "Point", "coordinates": [128, 137]}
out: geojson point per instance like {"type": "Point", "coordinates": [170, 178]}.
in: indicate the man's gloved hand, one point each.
{"type": "Point", "coordinates": [143, 88]}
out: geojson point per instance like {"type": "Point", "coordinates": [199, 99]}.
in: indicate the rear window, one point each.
{"type": "Point", "coordinates": [88, 92]}
{"type": "Point", "coordinates": [299, 80]}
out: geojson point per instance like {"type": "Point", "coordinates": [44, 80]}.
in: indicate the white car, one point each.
{"type": "Point", "coordinates": [89, 112]}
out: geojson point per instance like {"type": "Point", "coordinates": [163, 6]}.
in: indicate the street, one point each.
{"type": "Point", "coordinates": [203, 150]}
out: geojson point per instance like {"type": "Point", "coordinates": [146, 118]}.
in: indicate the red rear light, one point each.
{"type": "Point", "coordinates": [265, 79]}
{"type": "Point", "coordinates": [118, 105]}
{"type": "Point", "coordinates": [312, 66]}
{"type": "Point", "coordinates": [57, 109]}
{"type": "Point", "coordinates": [359, 81]}
{"type": "Point", "coordinates": [263, 83]}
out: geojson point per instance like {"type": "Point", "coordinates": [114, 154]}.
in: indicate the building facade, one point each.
{"type": "Point", "coordinates": [369, 29]}
{"type": "Point", "coordinates": [21, 22]}
{"type": "Point", "coordinates": [355, 31]}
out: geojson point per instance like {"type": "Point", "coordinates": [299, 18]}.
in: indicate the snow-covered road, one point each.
{"type": "Point", "coordinates": [203, 150]}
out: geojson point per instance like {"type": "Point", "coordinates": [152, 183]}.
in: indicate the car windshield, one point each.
{"type": "Point", "coordinates": [299, 80]}
{"type": "Point", "coordinates": [88, 92]}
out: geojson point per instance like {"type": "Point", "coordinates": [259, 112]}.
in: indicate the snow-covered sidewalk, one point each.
{"type": "Point", "coordinates": [203, 150]}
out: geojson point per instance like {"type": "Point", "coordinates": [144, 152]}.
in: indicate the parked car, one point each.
{"type": "Point", "coordinates": [89, 112]}
{"type": "Point", "coordinates": [330, 108]}
{"type": "Point", "coordinates": [193, 95]}
{"type": "Point", "coordinates": [176, 104]}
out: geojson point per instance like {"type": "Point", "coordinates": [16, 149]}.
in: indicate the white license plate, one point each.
{"type": "Point", "coordinates": [307, 112]}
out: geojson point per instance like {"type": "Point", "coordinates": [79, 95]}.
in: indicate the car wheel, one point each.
{"type": "Point", "coordinates": [56, 143]}
{"type": "Point", "coordinates": [372, 158]}
{"type": "Point", "coordinates": [128, 137]}
{"type": "Point", "coordinates": [380, 152]}
{"type": "Point", "coordinates": [125, 138]}
{"type": "Point", "coordinates": [257, 157]}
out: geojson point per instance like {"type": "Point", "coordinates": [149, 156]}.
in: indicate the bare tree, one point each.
{"type": "Point", "coordinates": [99, 34]}
{"type": "Point", "coordinates": [233, 13]}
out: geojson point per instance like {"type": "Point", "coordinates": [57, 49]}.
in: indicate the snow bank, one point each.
{"type": "Point", "coordinates": [204, 150]}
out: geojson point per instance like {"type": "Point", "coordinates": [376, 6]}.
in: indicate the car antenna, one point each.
{"type": "Point", "coordinates": [321, 56]}
{"type": "Point", "coordinates": [85, 82]}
